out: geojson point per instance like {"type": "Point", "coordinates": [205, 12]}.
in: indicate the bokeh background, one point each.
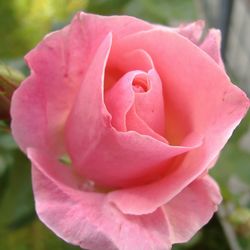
{"type": "Point", "coordinates": [24, 22]}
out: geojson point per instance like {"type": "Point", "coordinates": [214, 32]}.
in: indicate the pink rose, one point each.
{"type": "Point", "coordinates": [122, 120]}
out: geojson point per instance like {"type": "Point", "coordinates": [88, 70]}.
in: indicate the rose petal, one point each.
{"type": "Point", "coordinates": [120, 98]}
{"type": "Point", "coordinates": [52, 167]}
{"type": "Point", "coordinates": [192, 31]}
{"type": "Point", "coordinates": [194, 86]}
{"type": "Point", "coordinates": [29, 125]}
{"type": "Point", "coordinates": [135, 123]}
{"type": "Point", "coordinates": [199, 201]}
{"type": "Point", "coordinates": [211, 45]}
{"type": "Point", "coordinates": [138, 59]}
{"type": "Point", "coordinates": [134, 60]}
{"type": "Point", "coordinates": [198, 87]}
{"type": "Point", "coordinates": [75, 215]}
{"type": "Point", "coordinates": [54, 63]}
{"type": "Point", "coordinates": [87, 220]}
{"type": "Point", "coordinates": [150, 105]}
{"type": "Point", "coordinates": [104, 155]}
{"type": "Point", "coordinates": [120, 26]}
{"type": "Point", "coordinates": [119, 159]}
{"type": "Point", "coordinates": [127, 109]}
{"type": "Point", "coordinates": [58, 65]}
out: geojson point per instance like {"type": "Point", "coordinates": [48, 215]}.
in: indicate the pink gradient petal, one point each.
{"type": "Point", "coordinates": [120, 26]}
{"type": "Point", "coordinates": [198, 86]}
{"type": "Point", "coordinates": [54, 63]}
{"type": "Point", "coordinates": [127, 109]}
{"type": "Point", "coordinates": [132, 161]}
{"type": "Point", "coordinates": [120, 98]}
{"type": "Point", "coordinates": [194, 86]}
{"type": "Point", "coordinates": [88, 220]}
{"type": "Point", "coordinates": [58, 65]}
{"type": "Point", "coordinates": [192, 31]}
{"type": "Point", "coordinates": [138, 59]}
{"type": "Point", "coordinates": [75, 214]}
{"type": "Point", "coordinates": [150, 105]}
{"type": "Point", "coordinates": [90, 98]}
{"type": "Point", "coordinates": [135, 123]}
{"type": "Point", "coordinates": [104, 155]}
{"type": "Point", "coordinates": [132, 61]}
{"type": "Point", "coordinates": [29, 122]}
{"type": "Point", "coordinates": [192, 208]}
{"type": "Point", "coordinates": [211, 45]}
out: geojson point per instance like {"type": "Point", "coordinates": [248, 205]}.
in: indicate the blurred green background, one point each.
{"type": "Point", "coordinates": [22, 24]}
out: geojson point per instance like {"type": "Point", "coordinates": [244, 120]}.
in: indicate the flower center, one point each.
{"type": "Point", "coordinates": [140, 84]}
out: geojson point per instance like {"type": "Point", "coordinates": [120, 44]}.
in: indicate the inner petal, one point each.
{"type": "Point", "coordinates": [137, 59]}
{"type": "Point", "coordinates": [150, 105]}
{"type": "Point", "coordinates": [120, 98]}
{"type": "Point", "coordinates": [125, 102]}
{"type": "Point", "coordinates": [140, 84]}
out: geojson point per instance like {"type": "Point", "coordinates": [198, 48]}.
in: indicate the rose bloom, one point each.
{"type": "Point", "coordinates": [122, 119]}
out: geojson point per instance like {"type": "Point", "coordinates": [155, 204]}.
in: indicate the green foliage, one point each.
{"type": "Point", "coordinates": [25, 22]}
{"type": "Point", "coordinates": [233, 175]}
{"type": "Point", "coordinates": [159, 11]}
{"type": "Point", "coordinates": [162, 11]}
{"type": "Point", "coordinates": [210, 238]}
{"type": "Point", "coordinates": [10, 73]}
{"type": "Point", "coordinates": [19, 227]}
{"type": "Point", "coordinates": [9, 80]}
{"type": "Point", "coordinates": [108, 7]}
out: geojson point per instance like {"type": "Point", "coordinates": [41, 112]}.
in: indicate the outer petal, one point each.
{"type": "Point", "coordinates": [193, 84]}
{"type": "Point", "coordinates": [88, 220]}
{"type": "Point", "coordinates": [29, 122]}
{"type": "Point", "coordinates": [58, 65]}
{"type": "Point", "coordinates": [192, 208]}
{"type": "Point", "coordinates": [85, 218]}
{"type": "Point", "coordinates": [120, 98]}
{"type": "Point", "coordinates": [192, 31]}
{"type": "Point", "coordinates": [150, 105]}
{"type": "Point", "coordinates": [122, 159]}
{"type": "Point", "coordinates": [211, 45]}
